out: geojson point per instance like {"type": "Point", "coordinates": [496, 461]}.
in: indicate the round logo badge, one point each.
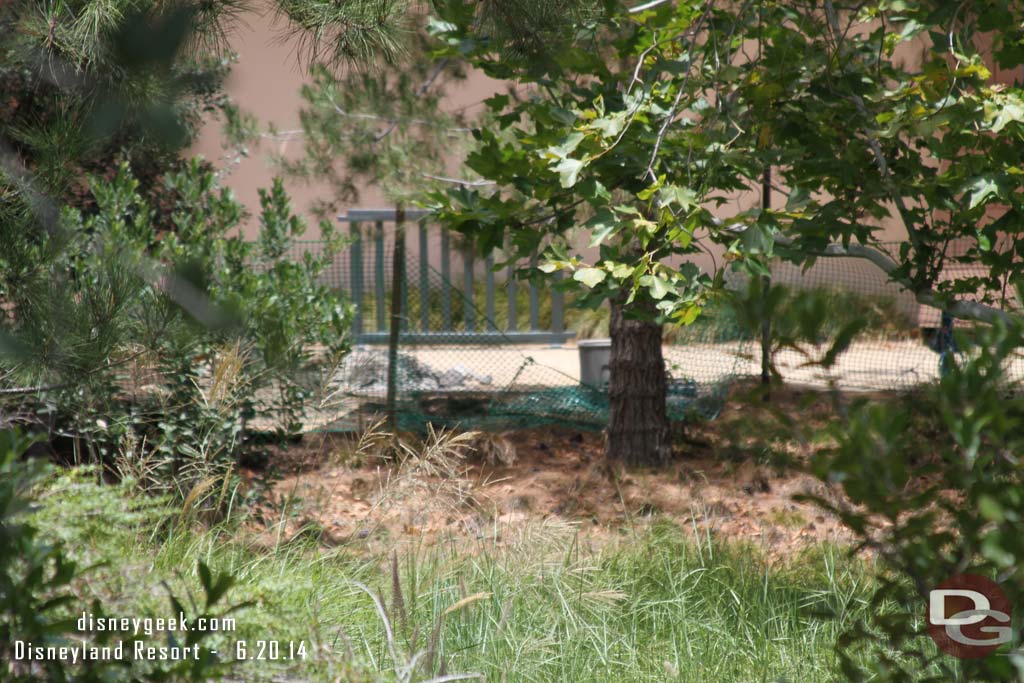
{"type": "Point", "coordinates": [969, 616]}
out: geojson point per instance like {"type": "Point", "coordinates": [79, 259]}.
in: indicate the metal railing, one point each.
{"type": "Point", "coordinates": [439, 304]}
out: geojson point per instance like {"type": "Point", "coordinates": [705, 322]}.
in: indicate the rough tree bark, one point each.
{"type": "Point", "coordinates": [638, 427]}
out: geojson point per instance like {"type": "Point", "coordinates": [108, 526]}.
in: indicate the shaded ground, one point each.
{"type": "Point", "coordinates": [730, 480]}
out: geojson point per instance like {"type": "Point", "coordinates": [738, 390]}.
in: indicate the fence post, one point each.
{"type": "Point", "coordinates": [380, 296]}
{"type": "Point", "coordinates": [397, 298]}
{"type": "Point", "coordinates": [489, 293]}
{"type": "Point", "coordinates": [513, 314]}
{"type": "Point", "coordinates": [766, 285]}
{"type": "Point", "coordinates": [534, 297]}
{"type": "Point", "coordinates": [446, 282]}
{"type": "Point", "coordinates": [766, 337]}
{"type": "Point", "coordinates": [424, 259]}
{"type": "Point", "coordinates": [468, 306]}
{"type": "Point", "coordinates": [557, 306]}
{"type": "Point", "coordinates": [355, 274]}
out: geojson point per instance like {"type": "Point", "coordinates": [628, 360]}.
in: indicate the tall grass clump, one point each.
{"type": "Point", "coordinates": [533, 602]}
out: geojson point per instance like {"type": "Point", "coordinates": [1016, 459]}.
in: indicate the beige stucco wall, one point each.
{"type": "Point", "coordinates": [267, 80]}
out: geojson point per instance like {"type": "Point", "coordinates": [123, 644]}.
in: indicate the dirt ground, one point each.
{"type": "Point", "coordinates": [722, 483]}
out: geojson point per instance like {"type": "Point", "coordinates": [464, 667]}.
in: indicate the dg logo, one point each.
{"type": "Point", "coordinates": [969, 616]}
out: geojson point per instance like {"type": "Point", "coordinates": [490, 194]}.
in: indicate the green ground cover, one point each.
{"type": "Point", "coordinates": [542, 606]}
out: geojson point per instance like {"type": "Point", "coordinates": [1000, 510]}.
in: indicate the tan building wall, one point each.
{"type": "Point", "coordinates": [267, 81]}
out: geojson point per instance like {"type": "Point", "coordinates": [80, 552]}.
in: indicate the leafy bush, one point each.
{"type": "Point", "coordinates": [168, 346]}
{"type": "Point", "coordinates": [38, 603]}
{"type": "Point", "coordinates": [932, 510]}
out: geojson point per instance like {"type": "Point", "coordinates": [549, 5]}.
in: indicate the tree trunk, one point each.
{"type": "Point", "coordinates": [638, 428]}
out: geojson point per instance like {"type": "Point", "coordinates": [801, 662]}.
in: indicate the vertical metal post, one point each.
{"type": "Point", "coordinates": [424, 282]}
{"type": "Point", "coordinates": [766, 285]}
{"type": "Point", "coordinates": [400, 232]}
{"type": "Point", "coordinates": [397, 286]}
{"type": "Point", "coordinates": [469, 310]}
{"type": "Point", "coordinates": [355, 274]}
{"type": "Point", "coordinates": [513, 314]}
{"type": "Point", "coordinates": [534, 298]}
{"type": "Point", "coordinates": [489, 292]}
{"type": "Point", "coordinates": [446, 285]}
{"type": "Point", "coordinates": [557, 306]}
{"type": "Point", "coordinates": [378, 278]}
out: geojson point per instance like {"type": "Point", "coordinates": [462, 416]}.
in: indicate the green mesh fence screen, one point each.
{"type": "Point", "coordinates": [480, 350]}
{"type": "Point", "coordinates": [904, 343]}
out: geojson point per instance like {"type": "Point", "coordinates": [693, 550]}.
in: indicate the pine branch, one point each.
{"type": "Point", "coordinates": [346, 33]}
{"type": "Point", "coordinates": [41, 388]}
{"type": "Point", "coordinates": [419, 93]}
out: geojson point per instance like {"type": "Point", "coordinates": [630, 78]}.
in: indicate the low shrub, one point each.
{"type": "Point", "coordinates": [160, 353]}
{"type": "Point", "coordinates": [39, 607]}
{"type": "Point", "coordinates": [935, 511]}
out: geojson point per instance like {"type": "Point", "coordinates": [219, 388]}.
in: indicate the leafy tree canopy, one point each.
{"type": "Point", "coordinates": [642, 120]}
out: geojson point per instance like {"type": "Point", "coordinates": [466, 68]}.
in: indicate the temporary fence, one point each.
{"type": "Point", "coordinates": [463, 341]}
{"type": "Point", "coordinates": [904, 344]}
{"type": "Point", "coordinates": [475, 345]}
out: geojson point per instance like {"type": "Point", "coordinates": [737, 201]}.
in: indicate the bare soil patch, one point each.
{"type": "Point", "coordinates": [735, 479]}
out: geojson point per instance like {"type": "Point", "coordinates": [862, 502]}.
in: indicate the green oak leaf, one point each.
{"type": "Point", "coordinates": [591, 277]}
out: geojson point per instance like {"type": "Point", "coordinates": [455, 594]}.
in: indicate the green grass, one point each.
{"type": "Point", "coordinates": [666, 605]}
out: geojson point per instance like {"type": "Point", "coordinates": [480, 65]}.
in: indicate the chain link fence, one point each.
{"type": "Point", "coordinates": [481, 349]}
